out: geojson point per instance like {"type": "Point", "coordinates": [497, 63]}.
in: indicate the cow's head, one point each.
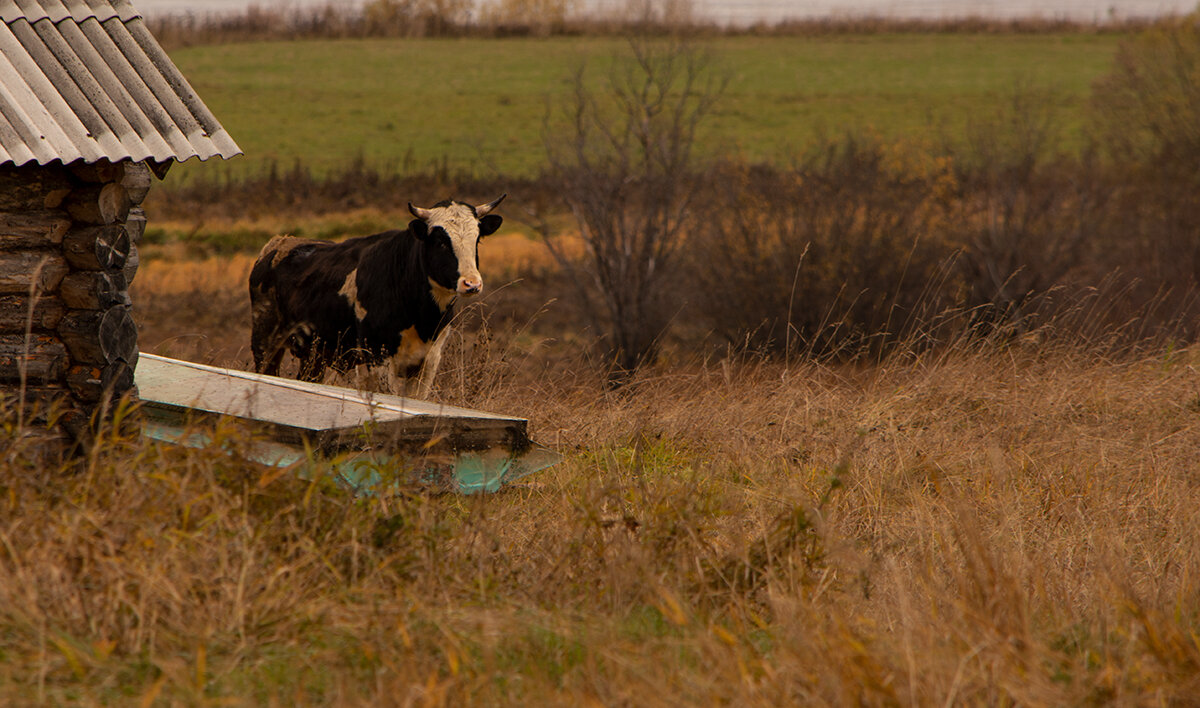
{"type": "Point", "coordinates": [452, 230]}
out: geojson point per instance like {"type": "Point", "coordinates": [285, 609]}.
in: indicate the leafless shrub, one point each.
{"type": "Point", "coordinates": [1147, 120]}
{"type": "Point", "coordinates": [865, 245]}
{"type": "Point", "coordinates": [837, 254]}
{"type": "Point", "coordinates": [1147, 109]}
{"type": "Point", "coordinates": [1027, 216]}
{"type": "Point", "coordinates": [624, 160]}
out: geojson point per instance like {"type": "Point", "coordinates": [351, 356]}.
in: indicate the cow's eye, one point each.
{"type": "Point", "coordinates": [440, 237]}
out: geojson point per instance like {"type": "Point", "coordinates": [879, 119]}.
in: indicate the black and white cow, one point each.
{"type": "Point", "coordinates": [385, 298]}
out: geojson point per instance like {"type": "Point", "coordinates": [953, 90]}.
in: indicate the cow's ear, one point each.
{"type": "Point", "coordinates": [489, 224]}
{"type": "Point", "coordinates": [418, 228]}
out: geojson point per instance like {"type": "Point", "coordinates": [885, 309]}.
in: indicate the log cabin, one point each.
{"type": "Point", "coordinates": [92, 110]}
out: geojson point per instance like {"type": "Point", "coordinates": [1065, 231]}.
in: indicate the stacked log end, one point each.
{"type": "Point", "coordinates": [68, 249]}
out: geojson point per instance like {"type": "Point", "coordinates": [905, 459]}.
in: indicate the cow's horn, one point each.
{"type": "Point", "coordinates": [419, 212]}
{"type": "Point", "coordinates": [487, 208]}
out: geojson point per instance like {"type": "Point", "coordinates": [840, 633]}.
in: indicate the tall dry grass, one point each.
{"type": "Point", "coordinates": [989, 523]}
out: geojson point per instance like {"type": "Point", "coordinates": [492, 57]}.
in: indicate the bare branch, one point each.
{"type": "Point", "coordinates": [627, 165]}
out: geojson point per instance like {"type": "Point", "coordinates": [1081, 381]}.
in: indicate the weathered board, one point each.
{"type": "Point", "coordinates": [461, 449]}
{"type": "Point", "coordinates": [327, 417]}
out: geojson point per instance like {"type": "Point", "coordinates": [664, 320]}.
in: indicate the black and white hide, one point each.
{"type": "Point", "coordinates": [380, 299]}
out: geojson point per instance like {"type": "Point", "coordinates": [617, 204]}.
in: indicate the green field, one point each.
{"type": "Point", "coordinates": [479, 104]}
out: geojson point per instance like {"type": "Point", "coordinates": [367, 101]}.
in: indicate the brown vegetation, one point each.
{"type": "Point", "coordinates": [848, 251]}
{"type": "Point", "coordinates": [989, 524]}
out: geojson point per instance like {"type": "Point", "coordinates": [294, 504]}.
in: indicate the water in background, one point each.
{"type": "Point", "coordinates": [739, 12]}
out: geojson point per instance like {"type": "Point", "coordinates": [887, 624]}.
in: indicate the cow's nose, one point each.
{"type": "Point", "coordinates": [469, 286]}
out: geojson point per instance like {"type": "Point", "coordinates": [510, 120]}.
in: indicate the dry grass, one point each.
{"type": "Point", "coordinates": [991, 525]}
{"type": "Point", "coordinates": [196, 309]}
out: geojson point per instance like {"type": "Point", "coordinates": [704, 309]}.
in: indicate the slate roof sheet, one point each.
{"type": "Point", "coordinates": [85, 80]}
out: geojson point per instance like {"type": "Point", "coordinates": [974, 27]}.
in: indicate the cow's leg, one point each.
{"type": "Point", "coordinates": [266, 339]}
{"type": "Point", "coordinates": [402, 377]}
{"type": "Point", "coordinates": [433, 359]}
{"type": "Point", "coordinates": [272, 358]}
{"type": "Point", "coordinates": [361, 359]}
{"type": "Point", "coordinates": [358, 367]}
{"type": "Point", "coordinates": [362, 374]}
{"type": "Point", "coordinates": [312, 364]}
{"type": "Point", "coordinates": [397, 384]}
{"type": "Point", "coordinates": [268, 347]}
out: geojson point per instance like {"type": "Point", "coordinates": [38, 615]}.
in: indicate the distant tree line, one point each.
{"type": "Point", "coordinates": [505, 18]}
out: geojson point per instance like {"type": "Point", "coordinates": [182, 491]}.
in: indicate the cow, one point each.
{"type": "Point", "coordinates": [384, 298]}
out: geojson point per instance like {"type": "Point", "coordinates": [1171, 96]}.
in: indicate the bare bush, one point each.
{"type": "Point", "coordinates": [1147, 118]}
{"type": "Point", "coordinates": [1147, 109]}
{"type": "Point", "coordinates": [1027, 215]}
{"type": "Point", "coordinates": [624, 159]}
{"type": "Point", "coordinates": [840, 252]}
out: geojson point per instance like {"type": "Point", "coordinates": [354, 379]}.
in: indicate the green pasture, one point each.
{"type": "Point", "coordinates": [479, 104]}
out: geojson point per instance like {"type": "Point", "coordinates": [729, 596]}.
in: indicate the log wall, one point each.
{"type": "Point", "coordinates": [68, 249]}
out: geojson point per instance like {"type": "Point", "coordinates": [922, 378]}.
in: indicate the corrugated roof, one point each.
{"type": "Point", "coordinates": [85, 80]}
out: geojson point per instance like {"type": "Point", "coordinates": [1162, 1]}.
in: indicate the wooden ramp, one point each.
{"type": "Point", "coordinates": [479, 451]}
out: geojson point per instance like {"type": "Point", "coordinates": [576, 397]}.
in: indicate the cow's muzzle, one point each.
{"type": "Point", "coordinates": [470, 286]}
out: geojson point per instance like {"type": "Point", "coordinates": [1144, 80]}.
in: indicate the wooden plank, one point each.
{"type": "Point", "coordinates": [329, 417]}
{"type": "Point", "coordinates": [18, 313]}
{"type": "Point", "coordinates": [41, 270]}
{"type": "Point", "coordinates": [41, 358]}
{"type": "Point", "coordinates": [43, 228]}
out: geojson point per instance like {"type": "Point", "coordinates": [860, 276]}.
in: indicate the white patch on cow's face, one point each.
{"type": "Point", "coordinates": [462, 226]}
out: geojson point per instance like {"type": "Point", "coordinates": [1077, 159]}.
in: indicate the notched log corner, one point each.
{"type": "Point", "coordinates": [97, 247]}
{"type": "Point", "coordinates": [91, 384]}
{"type": "Point", "coordinates": [94, 290]}
{"type": "Point", "coordinates": [136, 181]}
{"type": "Point", "coordinates": [99, 337]}
{"type": "Point", "coordinates": [99, 204]}
{"type": "Point", "coordinates": [135, 224]}
{"type": "Point", "coordinates": [100, 172]}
